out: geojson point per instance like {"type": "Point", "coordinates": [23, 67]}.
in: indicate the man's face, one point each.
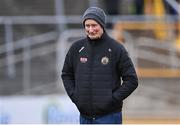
{"type": "Point", "coordinates": [93, 29]}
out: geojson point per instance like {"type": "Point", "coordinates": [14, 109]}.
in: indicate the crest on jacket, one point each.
{"type": "Point", "coordinates": [105, 60]}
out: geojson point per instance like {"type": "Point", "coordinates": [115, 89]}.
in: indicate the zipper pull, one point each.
{"type": "Point", "coordinates": [110, 50]}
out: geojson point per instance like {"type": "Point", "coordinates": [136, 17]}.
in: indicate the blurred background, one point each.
{"type": "Point", "coordinates": [36, 34]}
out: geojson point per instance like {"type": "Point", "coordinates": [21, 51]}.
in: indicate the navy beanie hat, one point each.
{"type": "Point", "coordinates": [96, 14]}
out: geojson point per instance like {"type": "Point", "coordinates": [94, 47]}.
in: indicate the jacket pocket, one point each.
{"type": "Point", "coordinates": [74, 97]}
{"type": "Point", "coordinates": [115, 103]}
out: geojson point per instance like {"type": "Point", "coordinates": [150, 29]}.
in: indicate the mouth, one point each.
{"type": "Point", "coordinates": [92, 34]}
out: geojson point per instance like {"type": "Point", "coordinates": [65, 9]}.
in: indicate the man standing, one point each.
{"type": "Point", "coordinates": [98, 74]}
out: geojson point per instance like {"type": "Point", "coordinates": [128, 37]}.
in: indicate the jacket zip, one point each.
{"type": "Point", "coordinates": [91, 71]}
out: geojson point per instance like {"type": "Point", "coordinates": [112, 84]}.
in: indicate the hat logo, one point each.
{"type": "Point", "coordinates": [105, 60]}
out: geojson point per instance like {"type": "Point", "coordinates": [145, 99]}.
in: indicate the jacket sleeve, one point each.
{"type": "Point", "coordinates": [68, 74]}
{"type": "Point", "coordinates": [128, 74]}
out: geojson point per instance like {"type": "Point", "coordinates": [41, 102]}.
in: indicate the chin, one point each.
{"type": "Point", "coordinates": [93, 37]}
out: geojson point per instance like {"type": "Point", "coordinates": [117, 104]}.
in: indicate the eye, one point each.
{"type": "Point", "coordinates": [94, 25]}
{"type": "Point", "coordinates": [87, 25]}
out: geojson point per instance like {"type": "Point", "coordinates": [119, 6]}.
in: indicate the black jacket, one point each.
{"type": "Point", "coordinates": [92, 74]}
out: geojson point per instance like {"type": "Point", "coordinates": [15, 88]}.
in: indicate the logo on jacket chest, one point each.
{"type": "Point", "coordinates": [83, 59]}
{"type": "Point", "coordinates": [105, 60]}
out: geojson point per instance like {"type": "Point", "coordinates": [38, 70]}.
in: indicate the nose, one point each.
{"type": "Point", "coordinates": [91, 29]}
